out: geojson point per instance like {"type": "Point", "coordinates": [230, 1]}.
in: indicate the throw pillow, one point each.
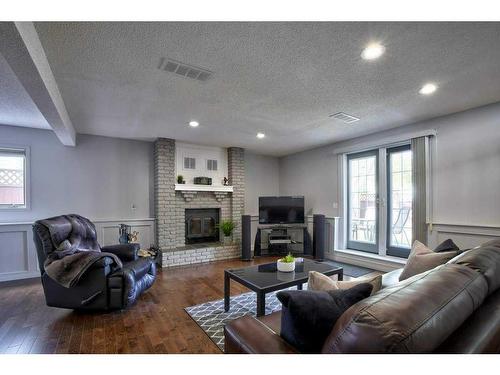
{"type": "Point", "coordinates": [318, 281]}
{"type": "Point", "coordinates": [307, 317]}
{"type": "Point", "coordinates": [446, 245]}
{"type": "Point", "coordinates": [422, 259]}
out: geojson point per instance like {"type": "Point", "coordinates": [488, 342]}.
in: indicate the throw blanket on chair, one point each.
{"type": "Point", "coordinates": [75, 255]}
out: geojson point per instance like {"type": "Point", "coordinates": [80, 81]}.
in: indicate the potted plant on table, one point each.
{"type": "Point", "coordinates": [286, 264]}
{"type": "Point", "coordinates": [227, 227]}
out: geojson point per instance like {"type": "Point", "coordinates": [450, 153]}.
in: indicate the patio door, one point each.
{"type": "Point", "coordinates": [399, 201]}
{"type": "Point", "coordinates": [362, 202]}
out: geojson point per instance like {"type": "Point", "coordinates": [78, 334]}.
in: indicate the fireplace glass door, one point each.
{"type": "Point", "coordinates": [201, 225]}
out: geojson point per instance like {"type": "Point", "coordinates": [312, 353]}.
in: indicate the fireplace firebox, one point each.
{"type": "Point", "coordinates": [201, 225]}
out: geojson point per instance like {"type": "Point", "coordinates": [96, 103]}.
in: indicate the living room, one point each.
{"type": "Point", "coordinates": [189, 187]}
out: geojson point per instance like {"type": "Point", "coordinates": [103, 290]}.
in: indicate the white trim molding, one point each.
{"type": "Point", "coordinates": [373, 261]}
{"type": "Point", "coordinates": [465, 236]}
{"type": "Point", "coordinates": [193, 187]}
{"type": "Point", "coordinates": [18, 258]}
{"type": "Point", "coordinates": [386, 142]}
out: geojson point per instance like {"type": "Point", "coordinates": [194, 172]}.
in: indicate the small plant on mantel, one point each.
{"type": "Point", "coordinates": [227, 227]}
{"type": "Point", "coordinates": [180, 179]}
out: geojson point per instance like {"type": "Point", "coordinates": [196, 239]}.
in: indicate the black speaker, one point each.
{"type": "Point", "coordinates": [319, 237]}
{"type": "Point", "coordinates": [246, 237]}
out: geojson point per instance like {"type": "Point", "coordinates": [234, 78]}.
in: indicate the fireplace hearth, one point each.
{"type": "Point", "coordinates": [201, 225]}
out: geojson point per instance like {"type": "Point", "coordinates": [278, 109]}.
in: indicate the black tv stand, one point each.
{"type": "Point", "coordinates": [282, 239]}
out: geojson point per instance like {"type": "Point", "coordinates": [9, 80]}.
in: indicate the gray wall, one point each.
{"type": "Point", "coordinates": [261, 179]}
{"type": "Point", "coordinates": [467, 169]}
{"type": "Point", "coordinates": [100, 178]}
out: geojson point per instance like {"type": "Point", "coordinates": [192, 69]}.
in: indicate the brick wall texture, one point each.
{"type": "Point", "coordinates": [236, 176]}
{"type": "Point", "coordinates": [170, 206]}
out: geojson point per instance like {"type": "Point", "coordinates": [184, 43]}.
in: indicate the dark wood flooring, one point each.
{"type": "Point", "coordinates": [157, 323]}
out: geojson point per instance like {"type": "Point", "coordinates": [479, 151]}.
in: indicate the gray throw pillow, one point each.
{"type": "Point", "coordinates": [422, 259]}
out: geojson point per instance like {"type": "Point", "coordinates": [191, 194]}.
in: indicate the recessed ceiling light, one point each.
{"type": "Point", "coordinates": [194, 124]}
{"type": "Point", "coordinates": [260, 135]}
{"type": "Point", "coordinates": [373, 51]}
{"type": "Point", "coordinates": [428, 89]}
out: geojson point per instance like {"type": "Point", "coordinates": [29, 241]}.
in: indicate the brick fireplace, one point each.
{"type": "Point", "coordinates": [173, 201]}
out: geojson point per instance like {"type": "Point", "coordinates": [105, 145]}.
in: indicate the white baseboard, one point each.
{"type": "Point", "coordinates": [373, 261]}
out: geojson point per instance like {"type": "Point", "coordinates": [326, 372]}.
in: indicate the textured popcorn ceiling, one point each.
{"type": "Point", "coordinates": [16, 106]}
{"type": "Point", "coordinates": [283, 79]}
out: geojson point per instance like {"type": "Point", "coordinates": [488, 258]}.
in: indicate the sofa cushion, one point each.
{"type": "Point", "coordinates": [484, 259]}
{"type": "Point", "coordinates": [391, 278]}
{"type": "Point", "coordinates": [308, 316]}
{"type": "Point", "coordinates": [422, 259]}
{"type": "Point", "coordinates": [413, 316]}
{"type": "Point", "coordinates": [318, 281]}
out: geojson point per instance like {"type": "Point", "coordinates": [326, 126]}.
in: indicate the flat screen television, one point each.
{"type": "Point", "coordinates": [281, 210]}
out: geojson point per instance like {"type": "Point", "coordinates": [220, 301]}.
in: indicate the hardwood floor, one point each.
{"type": "Point", "coordinates": [157, 323]}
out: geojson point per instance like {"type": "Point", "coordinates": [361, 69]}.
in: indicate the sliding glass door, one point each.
{"type": "Point", "coordinates": [399, 201]}
{"type": "Point", "coordinates": [362, 201]}
{"type": "Point", "coordinates": [381, 226]}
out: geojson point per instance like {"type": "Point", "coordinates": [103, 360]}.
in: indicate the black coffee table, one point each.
{"type": "Point", "coordinates": [265, 278]}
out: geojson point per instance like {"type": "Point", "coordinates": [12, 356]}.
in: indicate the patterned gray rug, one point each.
{"type": "Point", "coordinates": [211, 318]}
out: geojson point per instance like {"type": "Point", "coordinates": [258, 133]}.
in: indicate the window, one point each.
{"type": "Point", "coordinates": [399, 201]}
{"type": "Point", "coordinates": [362, 203]}
{"type": "Point", "coordinates": [189, 163]}
{"type": "Point", "coordinates": [13, 192]}
{"type": "Point", "coordinates": [379, 201]}
{"type": "Point", "coordinates": [211, 165]}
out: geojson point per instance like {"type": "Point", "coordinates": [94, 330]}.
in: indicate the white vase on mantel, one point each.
{"type": "Point", "coordinates": [285, 267]}
{"type": "Point", "coordinates": [226, 241]}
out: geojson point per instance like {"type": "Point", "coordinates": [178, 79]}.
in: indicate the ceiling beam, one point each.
{"type": "Point", "coordinates": [21, 47]}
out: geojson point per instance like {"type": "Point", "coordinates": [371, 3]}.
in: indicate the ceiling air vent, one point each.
{"type": "Point", "coordinates": [344, 117]}
{"type": "Point", "coordinates": [184, 70]}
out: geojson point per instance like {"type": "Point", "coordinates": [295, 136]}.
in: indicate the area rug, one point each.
{"type": "Point", "coordinates": [211, 317]}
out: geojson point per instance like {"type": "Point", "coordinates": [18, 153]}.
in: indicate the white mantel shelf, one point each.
{"type": "Point", "coordinates": [193, 187]}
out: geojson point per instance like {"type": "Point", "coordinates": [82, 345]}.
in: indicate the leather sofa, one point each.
{"type": "Point", "coordinates": [453, 308]}
{"type": "Point", "coordinates": [103, 286]}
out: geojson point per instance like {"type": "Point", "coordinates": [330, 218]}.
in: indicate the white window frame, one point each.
{"type": "Point", "coordinates": [382, 146]}
{"type": "Point", "coordinates": [27, 178]}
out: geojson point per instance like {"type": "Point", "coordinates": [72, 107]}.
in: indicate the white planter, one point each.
{"type": "Point", "coordinates": [285, 267]}
{"type": "Point", "coordinates": [227, 241]}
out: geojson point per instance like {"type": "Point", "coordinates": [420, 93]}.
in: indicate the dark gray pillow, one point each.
{"type": "Point", "coordinates": [307, 317]}
{"type": "Point", "coordinates": [447, 245]}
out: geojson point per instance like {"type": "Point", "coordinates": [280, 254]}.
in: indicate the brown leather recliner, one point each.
{"type": "Point", "coordinates": [453, 308]}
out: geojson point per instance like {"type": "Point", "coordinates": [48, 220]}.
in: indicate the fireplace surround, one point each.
{"type": "Point", "coordinates": [172, 202]}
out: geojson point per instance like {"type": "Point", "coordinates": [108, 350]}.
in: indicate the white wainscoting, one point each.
{"type": "Point", "coordinates": [465, 236]}
{"type": "Point", "coordinates": [17, 252]}
{"type": "Point", "coordinates": [18, 259]}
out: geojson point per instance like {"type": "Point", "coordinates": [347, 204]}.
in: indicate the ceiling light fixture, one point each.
{"type": "Point", "coordinates": [194, 124]}
{"type": "Point", "coordinates": [260, 135]}
{"type": "Point", "coordinates": [428, 89]}
{"type": "Point", "coordinates": [373, 51]}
